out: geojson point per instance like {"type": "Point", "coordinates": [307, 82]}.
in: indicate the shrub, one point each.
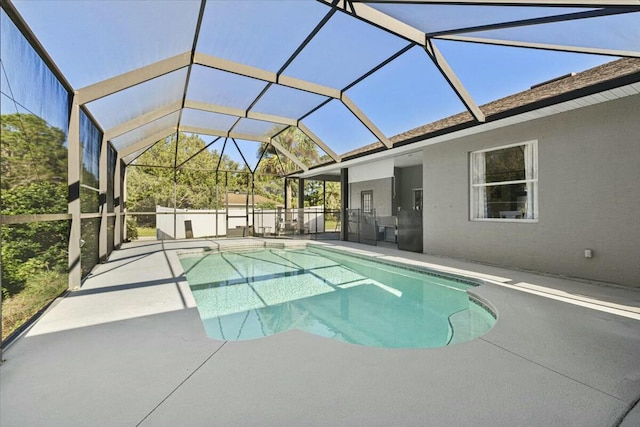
{"type": "Point", "coordinates": [40, 289]}
{"type": "Point", "coordinates": [132, 228]}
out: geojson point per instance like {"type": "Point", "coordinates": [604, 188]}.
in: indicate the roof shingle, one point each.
{"type": "Point", "coordinates": [513, 104]}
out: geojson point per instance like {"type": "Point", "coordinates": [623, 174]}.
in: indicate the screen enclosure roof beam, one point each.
{"type": "Point", "coordinates": [223, 133]}
{"type": "Point", "coordinates": [237, 112]}
{"type": "Point", "coordinates": [264, 75]}
{"type": "Point", "coordinates": [132, 78]}
{"type": "Point", "coordinates": [267, 76]}
{"type": "Point", "coordinates": [591, 13]}
{"type": "Point", "coordinates": [319, 142]}
{"type": "Point", "coordinates": [537, 3]}
{"type": "Point", "coordinates": [291, 157]}
{"type": "Point", "coordinates": [147, 142]}
{"type": "Point", "coordinates": [543, 46]}
{"type": "Point", "coordinates": [142, 120]}
{"type": "Point", "coordinates": [407, 32]}
{"type": "Point", "coordinates": [365, 120]}
{"type": "Point", "coordinates": [263, 139]}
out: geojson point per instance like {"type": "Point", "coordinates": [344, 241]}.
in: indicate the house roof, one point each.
{"type": "Point", "coordinates": [612, 74]}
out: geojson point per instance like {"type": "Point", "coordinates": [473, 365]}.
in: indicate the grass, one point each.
{"type": "Point", "coordinates": [40, 290]}
{"type": "Point", "coordinates": [146, 232]}
{"type": "Point", "coordinates": [330, 224]}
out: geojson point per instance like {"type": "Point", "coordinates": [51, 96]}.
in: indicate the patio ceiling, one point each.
{"type": "Point", "coordinates": [248, 70]}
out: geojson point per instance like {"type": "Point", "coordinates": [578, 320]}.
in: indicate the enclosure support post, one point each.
{"type": "Point", "coordinates": [74, 167]}
{"type": "Point", "coordinates": [253, 204]}
{"type": "Point", "coordinates": [226, 203]}
{"type": "Point", "coordinates": [123, 202]}
{"type": "Point", "coordinates": [217, 205]}
{"type": "Point", "coordinates": [300, 205]}
{"type": "Point", "coordinates": [324, 195]}
{"type": "Point", "coordinates": [344, 203]}
{"type": "Point", "coordinates": [286, 195]}
{"type": "Point", "coordinates": [117, 196]}
{"type": "Point", "coordinates": [104, 221]}
{"type": "Point", "coordinates": [175, 202]}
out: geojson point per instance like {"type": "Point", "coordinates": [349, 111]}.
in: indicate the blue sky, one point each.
{"type": "Point", "coordinates": [94, 40]}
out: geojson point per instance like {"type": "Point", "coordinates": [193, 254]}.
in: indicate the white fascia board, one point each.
{"type": "Point", "coordinates": [617, 93]}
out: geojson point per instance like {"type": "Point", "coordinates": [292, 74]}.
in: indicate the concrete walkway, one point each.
{"type": "Point", "coordinates": [129, 349]}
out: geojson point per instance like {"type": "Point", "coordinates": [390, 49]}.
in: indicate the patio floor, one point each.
{"type": "Point", "coordinates": [129, 349]}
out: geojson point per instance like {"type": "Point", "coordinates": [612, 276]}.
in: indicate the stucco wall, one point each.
{"type": "Point", "coordinates": [381, 194]}
{"type": "Point", "coordinates": [589, 196]}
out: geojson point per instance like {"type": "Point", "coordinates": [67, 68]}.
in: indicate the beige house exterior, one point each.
{"type": "Point", "coordinates": [583, 135]}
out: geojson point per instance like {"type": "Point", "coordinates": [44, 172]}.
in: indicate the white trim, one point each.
{"type": "Point", "coordinates": [501, 147]}
{"type": "Point", "coordinates": [491, 184]}
{"type": "Point", "coordinates": [502, 220]}
{"type": "Point", "coordinates": [573, 104]}
{"type": "Point", "coordinates": [533, 203]}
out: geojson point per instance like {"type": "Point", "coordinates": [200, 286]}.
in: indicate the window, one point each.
{"type": "Point", "coordinates": [367, 201]}
{"type": "Point", "coordinates": [504, 183]}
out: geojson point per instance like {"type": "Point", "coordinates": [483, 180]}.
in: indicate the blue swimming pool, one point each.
{"type": "Point", "coordinates": [248, 294]}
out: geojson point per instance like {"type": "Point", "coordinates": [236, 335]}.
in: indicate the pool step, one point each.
{"type": "Point", "coordinates": [468, 324]}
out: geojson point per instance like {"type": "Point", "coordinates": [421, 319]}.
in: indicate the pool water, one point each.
{"type": "Point", "coordinates": [250, 294]}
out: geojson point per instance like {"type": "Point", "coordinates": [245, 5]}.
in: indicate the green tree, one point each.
{"type": "Point", "coordinates": [314, 194]}
{"type": "Point", "coordinates": [30, 151]}
{"type": "Point", "coordinates": [150, 181]}
{"type": "Point", "coordinates": [275, 163]}
{"type": "Point", "coordinates": [31, 247]}
{"type": "Point", "coordinates": [33, 159]}
{"type": "Point", "coordinates": [332, 196]}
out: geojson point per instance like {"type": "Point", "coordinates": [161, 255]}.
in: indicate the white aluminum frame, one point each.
{"type": "Point", "coordinates": [536, 217]}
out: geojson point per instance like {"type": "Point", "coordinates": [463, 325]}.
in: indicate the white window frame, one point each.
{"type": "Point", "coordinates": [531, 181]}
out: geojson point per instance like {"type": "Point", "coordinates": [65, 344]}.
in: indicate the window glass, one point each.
{"type": "Point", "coordinates": [505, 165]}
{"type": "Point", "coordinates": [367, 201]}
{"type": "Point", "coordinates": [504, 183]}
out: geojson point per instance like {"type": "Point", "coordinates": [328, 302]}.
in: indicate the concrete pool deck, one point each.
{"type": "Point", "coordinates": [128, 349]}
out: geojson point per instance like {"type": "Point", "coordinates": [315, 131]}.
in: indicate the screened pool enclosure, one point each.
{"type": "Point", "coordinates": [193, 118]}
